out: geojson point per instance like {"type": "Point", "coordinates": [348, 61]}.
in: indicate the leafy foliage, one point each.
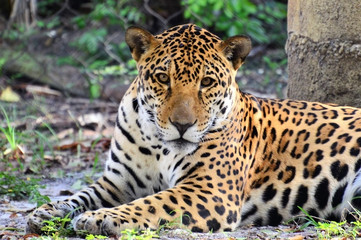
{"type": "Point", "coordinates": [17, 188]}
{"type": "Point", "coordinates": [58, 227]}
{"type": "Point", "coordinates": [262, 22]}
{"type": "Point", "coordinates": [98, 52]}
{"type": "Point", "coordinates": [11, 184]}
{"type": "Point", "coordinates": [132, 234]}
{"type": "Point", "coordinates": [95, 237]}
{"type": "Point", "coordinates": [9, 131]}
{"type": "Point", "coordinates": [329, 229]}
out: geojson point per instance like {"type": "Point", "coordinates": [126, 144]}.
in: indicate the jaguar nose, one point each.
{"type": "Point", "coordinates": [182, 127]}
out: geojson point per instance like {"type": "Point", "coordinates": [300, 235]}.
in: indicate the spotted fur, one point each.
{"type": "Point", "coordinates": [189, 144]}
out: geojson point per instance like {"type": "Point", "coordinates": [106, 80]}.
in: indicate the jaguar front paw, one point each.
{"type": "Point", "coordinates": [46, 212]}
{"type": "Point", "coordinates": [99, 222]}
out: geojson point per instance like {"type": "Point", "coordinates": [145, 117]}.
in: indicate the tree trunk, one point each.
{"type": "Point", "coordinates": [23, 12]}
{"type": "Point", "coordinates": [324, 51]}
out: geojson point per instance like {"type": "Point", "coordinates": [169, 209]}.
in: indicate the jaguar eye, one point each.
{"type": "Point", "coordinates": [206, 82]}
{"type": "Point", "coordinates": [163, 78]}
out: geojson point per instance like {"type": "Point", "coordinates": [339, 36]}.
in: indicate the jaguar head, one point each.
{"type": "Point", "coordinates": [186, 81]}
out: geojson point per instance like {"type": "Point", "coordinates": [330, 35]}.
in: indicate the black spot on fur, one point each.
{"type": "Point", "coordinates": [220, 209]}
{"type": "Point", "coordinates": [316, 171]}
{"type": "Point", "coordinates": [232, 216]}
{"type": "Point", "coordinates": [313, 212]}
{"type": "Point", "coordinates": [124, 132]}
{"type": "Point", "coordinates": [196, 229]}
{"type": "Point", "coordinates": [322, 193]}
{"type": "Point", "coordinates": [286, 197]}
{"type": "Point", "coordinates": [357, 165]}
{"type": "Point", "coordinates": [338, 171]}
{"type": "Point", "coordinates": [338, 196]}
{"type": "Point", "coordinates": [203, 212]}
{"type": "Point", "coordinates": [213, 225]}
{"type": "Point", "coordinates": [274, 218]}
{"type": "Point", "coordinates": [135, 104]}
{"type": "Point", "coordinates": [169, 210]}
{"type": "Point", "coordinates": [151, 210]}
{"type": "Point", "coordinates": [173, 199]}
{"type": "Point", "coordinates": [269, 193]}
{"type": "Point", "coordinates": [292, 171]}
{"type": "Point", "coordinates": [301, 199]}
{"type": "Point", "coordinates": [249, 213]}
{"type": "Point", "coordinates": [145, 151]}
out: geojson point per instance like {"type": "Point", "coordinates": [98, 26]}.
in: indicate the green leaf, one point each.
{"type": "Point", "coordinates": [233, 31]}
{"type": "Point", "coordinates": [79, 21]}
{"type": "Point", "coordinates": [40, 24]}
{"type": "Point", "coordinates": [97, 64]}
{"type": "Point", "coordinates": [67, 60]}
{"type": "Point", "coordinates": [218, 5]}
{"type": "Point", "coordinates": [94, 90]}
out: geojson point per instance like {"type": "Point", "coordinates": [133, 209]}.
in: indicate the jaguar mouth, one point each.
{"type": "Point", "coordinates": [182, 144]}
{"type": "Point", "coordinates": [181, 141]}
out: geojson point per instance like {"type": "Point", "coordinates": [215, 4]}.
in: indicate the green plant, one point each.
{"type": "Point", "coordinates": [99, 51]}
{"type": "Point", "coordinates": [52, 23]}
{"type": "Point", "coordinates": [90, 40]}
{"type": "Point", "coordinates": [95, 237]}
{"type": "Point", "coordinates": [16, 33]}
{"type": "Point", "coordinates": [329, 229]}
{"type": "Point", "coordinates": [333, 228]}
{"type": "Point", "coordinates": [9, 131]}
{"type": "Point", "coordinates": [132, 234]}
{"type": "Point", "coordinates": [47, 238]}
{"type": "Point", "coordinates": [239, 17]}
{"type": "Point", "coordinates": [40, 147]}
{"type": "Point", "coordinates": [89, 177]}
{"type": "Point", "coordinates": [58, 227]}
{"type": "Point", "coordinates": [95, 167]}
{"type": "Point", "coordinates": [117, 12]}
{"type": "Point", "coordinates": [273, 66]}
{"type": "Point", "coordinates": [17, 188]}
{"type": "Point", "coordinates": [48, 7]}
{"type": "Point", "coordinates": [3, 60]}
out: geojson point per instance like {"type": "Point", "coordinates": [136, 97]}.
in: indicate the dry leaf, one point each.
{"type": "Point", "coordinates": [103, 143]}
{"type": "Point", "coordinates": [297, 237]}
{"type": "Point", "coordinates": [30, 236]}
{"type": "Point", "coordinates": [72, 146]}
{"type": "Point", "coordinates": [18, 153]}
{"type": "Point", "coordinates": [65, 133]}
{"type": "Point", "coordinates": [41, 90]}
{"type": "Point", "coordinates": [91, 118]}
{"type": "Point", "coordinates": [8, 95]}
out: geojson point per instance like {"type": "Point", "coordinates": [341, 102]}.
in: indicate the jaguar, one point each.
{"type": "Point", "coordinates": [188, 144]}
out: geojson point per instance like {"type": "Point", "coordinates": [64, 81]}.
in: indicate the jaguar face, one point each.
{"type": "Point", "coordinates": [184, 85]}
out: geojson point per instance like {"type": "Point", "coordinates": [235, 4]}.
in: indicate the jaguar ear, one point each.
{"type": "Point", "coordinates": [139, 41]}
{"type": "Point", "coordinates": [236, 49]}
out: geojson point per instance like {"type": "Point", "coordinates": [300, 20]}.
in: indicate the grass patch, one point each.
{"type": "Point", "coordinates": [330, 229]}
{"type": "Point", "coordinates": [132, 234]}
{"type": "Point", "coordinates": [9, 133]}
{"type": "Point", "coordinates": [17, 188]}
{"type": "Point", "coordinates": [58, 227]}
{"type": "Point", "coordinates": [12, 155]}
